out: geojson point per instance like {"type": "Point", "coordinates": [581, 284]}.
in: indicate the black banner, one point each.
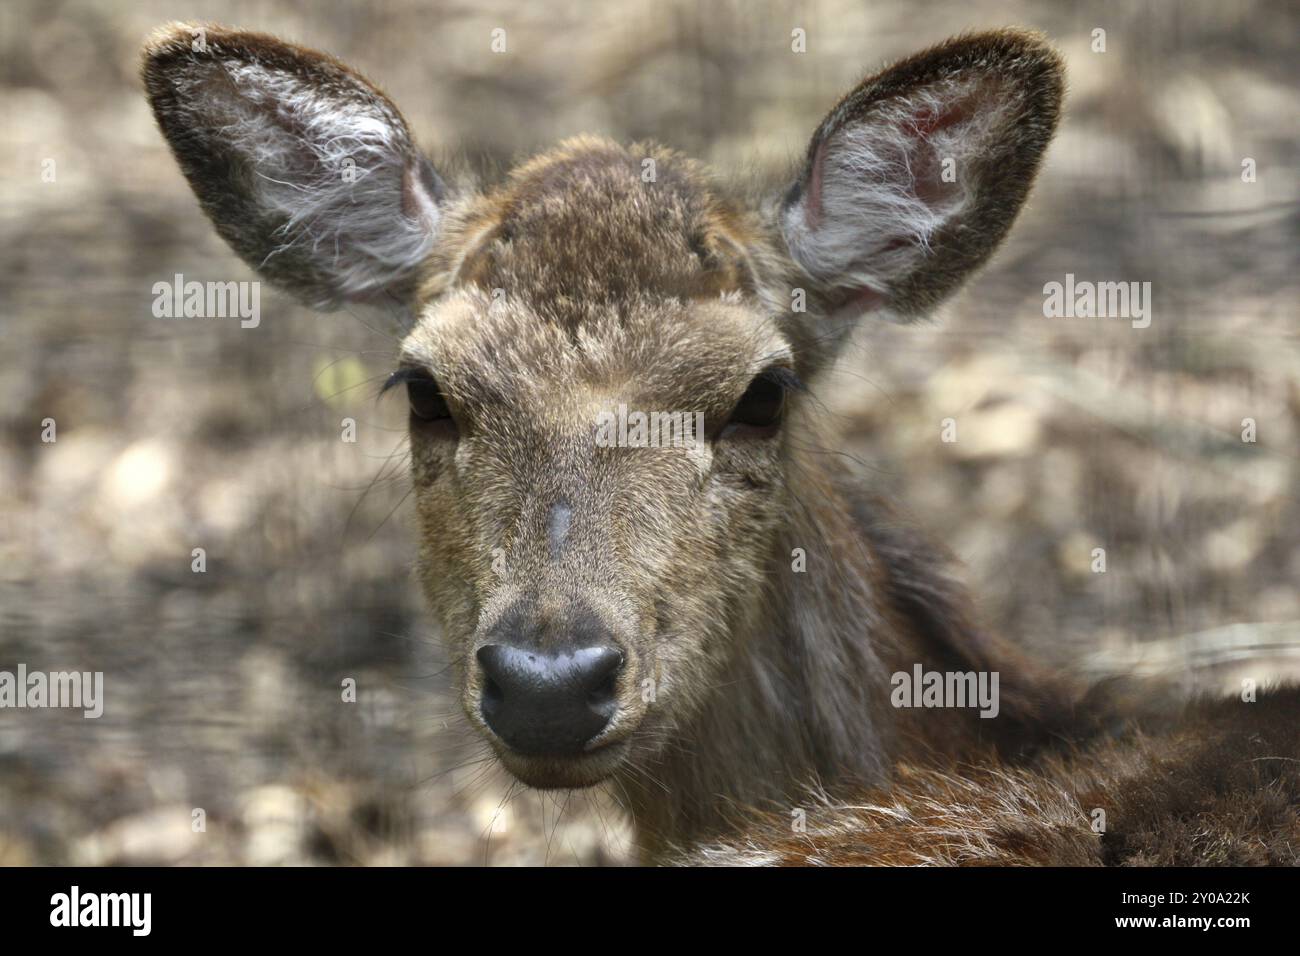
{"type": "Point", "coordinates": [342, 905]}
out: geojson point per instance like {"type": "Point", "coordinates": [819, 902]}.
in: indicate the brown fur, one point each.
{"type": "Point", "coordinates": [1222, 788]}
{"type": "Point", "coordinates": [599, 274]}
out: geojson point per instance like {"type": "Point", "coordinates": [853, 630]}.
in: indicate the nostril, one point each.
{"type": "Point", "coordinates": [602, 677]}
{"type": "Point", "coordinates": [491, 695]}
{"type": "Point", "coordinates": [603, 693]}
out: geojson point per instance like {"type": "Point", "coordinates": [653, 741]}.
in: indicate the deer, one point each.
{"type": "Point", "coordinates": [627, 613]}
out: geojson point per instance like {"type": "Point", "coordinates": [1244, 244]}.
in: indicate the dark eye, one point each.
{"type": "Point", "coordinates": [427, 403]}
{"type": "Point", "coordinates": [759, 411]}
{"type": "Point", "coordinates": [422, 392]}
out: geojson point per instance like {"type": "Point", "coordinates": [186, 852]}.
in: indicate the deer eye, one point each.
{"type": "Point", "coordinates": [761, 404]}
{"type": "Point", "coordinates": [422, 392]}
{"type": "Point", "coordinates": [759, 411]}
{"type": "Point", "coordinates": [427, 403]}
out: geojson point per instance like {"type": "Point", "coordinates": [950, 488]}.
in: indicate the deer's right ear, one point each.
{"type": "Point", "coordinates": [306, 169]}
{"type": "Point", "coordinates": [915, 177]}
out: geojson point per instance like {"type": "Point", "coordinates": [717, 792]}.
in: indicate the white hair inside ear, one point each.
{"type": "Point", "coordinates": [307, 169]}
{"type": "Point", "coordinates": [882, 187]}
{"type": "Point", "coordinates": [337, 167]}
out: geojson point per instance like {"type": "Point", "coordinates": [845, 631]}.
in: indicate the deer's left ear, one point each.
{"type": "Point", "coordinates": [305, 168]}
{"type": "Point", "coordinates": [915, 177]}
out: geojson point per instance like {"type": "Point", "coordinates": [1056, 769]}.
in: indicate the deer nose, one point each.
{"type": "Point", "coordinates": [542, 702]}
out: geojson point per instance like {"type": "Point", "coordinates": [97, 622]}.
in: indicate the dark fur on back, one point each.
{"type": "Point", "coordinates": [1223, 789]}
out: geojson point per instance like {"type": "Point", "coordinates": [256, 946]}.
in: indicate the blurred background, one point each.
{"type": "Point", "coordinates": [224, 688]}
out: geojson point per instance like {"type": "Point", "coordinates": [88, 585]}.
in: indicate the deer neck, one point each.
{"type": "Point", "coordinates": [803, 700]}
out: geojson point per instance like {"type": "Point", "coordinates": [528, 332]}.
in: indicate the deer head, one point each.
{"type": "Point", "coordinates": [592, 579]}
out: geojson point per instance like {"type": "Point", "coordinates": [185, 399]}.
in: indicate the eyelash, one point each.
{"type": "Point", "coordinates": [758, 413]}
{"type": "Point", "coordinates": [784, 377]}
{"type": "Point", "coordinates": [428, 406]}
{"type": "Point", "coordinates": [401, 377]}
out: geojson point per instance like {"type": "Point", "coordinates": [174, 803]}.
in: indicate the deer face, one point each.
{"type": "Point", "coordinates": [597, 398]}
{"type": "Point", "coordinates": [606, 356]}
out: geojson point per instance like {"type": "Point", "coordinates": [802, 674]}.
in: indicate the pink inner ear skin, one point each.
{"type": "Point", "coordinates": [926, 122]}
{"type": "Point", "coordinates": [929, 185]}
{"type": "Point", "coordinates": [863, 300]}
{"type": "Point", "coordinates": [417, 204]}
{"type": "Point", "coordinates": [812, 207]}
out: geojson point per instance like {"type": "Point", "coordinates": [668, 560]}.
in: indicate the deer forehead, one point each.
{"type": "Point", "coordinates": [607, 269]}
{"type": "Point", "coordinates": [592, 225]}
{"type": "Point", "coordinates": [498, 355]}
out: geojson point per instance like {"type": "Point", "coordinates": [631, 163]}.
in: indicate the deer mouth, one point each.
{"type": "Point", "coordinates": [564, 771]}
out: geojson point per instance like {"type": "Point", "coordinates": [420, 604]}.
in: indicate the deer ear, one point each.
{"type": "Point", "coordinates": [306, 169]}
{"type": "Point", "coordinates": [915, 177]}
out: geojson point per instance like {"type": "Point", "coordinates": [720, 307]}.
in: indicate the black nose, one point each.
{"type": "Point", "coordinates": [542, 702]}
